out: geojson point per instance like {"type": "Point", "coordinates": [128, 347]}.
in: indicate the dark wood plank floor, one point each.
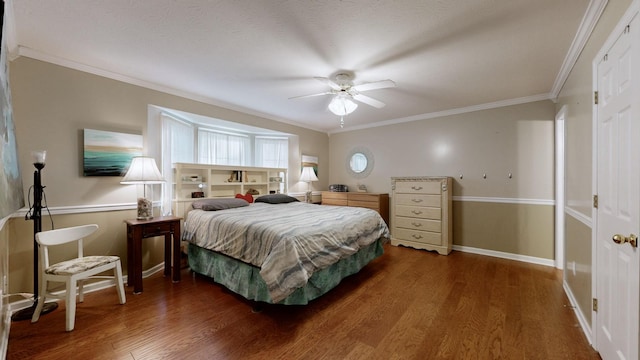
{"type": "Point", "coordinates": [408, 304]}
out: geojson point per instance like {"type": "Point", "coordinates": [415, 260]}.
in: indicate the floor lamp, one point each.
{"type": "Point", "coordinates": [36, 216]}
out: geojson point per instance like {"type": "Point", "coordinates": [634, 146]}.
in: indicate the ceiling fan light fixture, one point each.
{"type": "Point", "coordinates": [342, 105]}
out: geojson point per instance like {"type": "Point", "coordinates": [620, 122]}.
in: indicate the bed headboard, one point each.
{"type": "Point", "coordinates": [181, 208]}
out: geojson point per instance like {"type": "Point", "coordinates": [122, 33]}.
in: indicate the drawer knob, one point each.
{"type": "Point", "coordinates": [417, 237]}
{"type": "Point", "coordinates": [416, 224]}
{"type": "Point", "coordinates": [416, 200]}
{"type": "Point", "coordinates": [416, 212]}
{"type": "Point", "coordinates": [416, 188]}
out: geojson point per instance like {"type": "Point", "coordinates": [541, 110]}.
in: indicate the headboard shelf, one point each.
{"type": "Point", "coordinates": [219, 181]}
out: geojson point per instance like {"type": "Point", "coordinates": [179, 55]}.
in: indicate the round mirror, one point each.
{"type": "Point", "coordinates": [359, 162]}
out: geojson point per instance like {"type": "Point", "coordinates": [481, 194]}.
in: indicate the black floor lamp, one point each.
{"type": "Point", "coordinates": [35, 214]}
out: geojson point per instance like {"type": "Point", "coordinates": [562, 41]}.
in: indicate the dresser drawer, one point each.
{"type": "Point", "coordinates": [432, 213]}
{"type": "Point", "coordinates": [157, 229]}
{"type": "Point", "coordinates": [418, 200]}
{"type": "Point", "coordinates": [338, 202]}
{"type": "Point", "coordinates": [334, 195]}
{"type": "Point", "coordinates": [364, 204]}
{"type": "Point", "coordinates": [418, 224]}
{"type": "Point", "coordinates": [364, 197]}
{"type": "Point", "coordinates": [334, 198]}
{"type": "Point", "coordinates": [433, 238]}
{"type": "Point", "coordinates": [419, 187]}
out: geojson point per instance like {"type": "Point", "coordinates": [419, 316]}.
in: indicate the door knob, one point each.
{"type": "Point", "coordinates": [621, 239]}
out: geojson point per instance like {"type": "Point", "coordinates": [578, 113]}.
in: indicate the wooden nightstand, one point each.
{"type": "Point", "coordinates": [167, 226]}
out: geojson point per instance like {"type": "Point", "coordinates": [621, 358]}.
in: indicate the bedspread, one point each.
{"type": "Point", "coordinates": [288, 242]}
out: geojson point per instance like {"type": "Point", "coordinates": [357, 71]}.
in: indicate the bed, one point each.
{"type": "Point", "coordinates": [279, 250]}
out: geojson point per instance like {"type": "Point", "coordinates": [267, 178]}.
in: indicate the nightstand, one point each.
{"type": "Point", "coordinates": [167, 226]}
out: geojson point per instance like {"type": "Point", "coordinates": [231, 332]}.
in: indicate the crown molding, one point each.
{"type": "Point", "coordinates": [437, 114]}
{"type": "Point", "coordinates": [37, 55]}
{"type": "Point", "coordinates": [589, 21]}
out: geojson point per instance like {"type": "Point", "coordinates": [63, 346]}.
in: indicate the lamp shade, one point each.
{"type": "Point", "coordinates": [342, 105]}
{"type": "Point", "coordinates": [143, 170]}
{"type": "Point", "coordinates": [308, 175]}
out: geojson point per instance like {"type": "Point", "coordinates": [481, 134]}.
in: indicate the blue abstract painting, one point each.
{"type": "Point", "coordinates": [108, 153]}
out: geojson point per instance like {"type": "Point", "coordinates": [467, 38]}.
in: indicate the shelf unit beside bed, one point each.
{"type": "Point", "coordinates": [217, 181]}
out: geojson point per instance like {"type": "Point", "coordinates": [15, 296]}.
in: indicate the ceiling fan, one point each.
{"type": "Point", "coordinates": [345, 91]}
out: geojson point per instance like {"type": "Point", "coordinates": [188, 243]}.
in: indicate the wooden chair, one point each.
{"type": "Point", "coordinates": [72, 272]}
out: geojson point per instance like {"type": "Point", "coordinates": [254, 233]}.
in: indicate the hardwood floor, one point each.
{"type": "Point", "coordinates": [408, 304]}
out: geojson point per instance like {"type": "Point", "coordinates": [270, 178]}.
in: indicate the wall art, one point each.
{"type": "Point", "coordinates": [108, 153]}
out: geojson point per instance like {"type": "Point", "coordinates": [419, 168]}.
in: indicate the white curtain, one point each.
{"type": "Point", "coordinates": [271, 152]}
{"type": "Point", "coordinates": [221, 148]}
{"type": "Point", "coordinates": [177, 146]}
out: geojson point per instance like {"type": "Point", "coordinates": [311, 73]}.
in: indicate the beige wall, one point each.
{"type": "Point", "coordinates": [577, 95]}
{"type": "Point", "coordinates": [577, 274]}
{"type": "Point", "coordinates": [521, 229]}
{"type": "Point", "coordinates": [515, 139]}
{"type": "Point", "coordinates": [52, 105]}
{"type": "Point", "coordinates": [515, 215]}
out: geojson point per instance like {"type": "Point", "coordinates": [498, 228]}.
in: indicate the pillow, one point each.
{"type": "Point", "coordinates": [218, 204]}
{"type": "Point", "coordinates": [276, 199]}
{"type": "Point", "coordinates": [248, 197]}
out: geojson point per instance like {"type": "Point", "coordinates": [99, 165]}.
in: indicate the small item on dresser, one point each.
{"type": "Point", "coordinates": [197, 194]}
{"type": "Point", "coordinates": [338, 188]}
{"type": "Point", "coordinates": [362, 188]}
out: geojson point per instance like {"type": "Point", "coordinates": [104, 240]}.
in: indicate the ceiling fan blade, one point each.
{"type": "Point", "coordinates": [329, 82]}
{"type": "Point", "coordinates": [369, 101]}
{"type": "Point", "coordinates": [312, 95]}
{"type": "Point", "coordinates": [374, 85]}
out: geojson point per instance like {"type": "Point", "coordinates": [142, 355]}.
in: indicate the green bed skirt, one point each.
{"type": "Point", "coordinates": [245, 280]}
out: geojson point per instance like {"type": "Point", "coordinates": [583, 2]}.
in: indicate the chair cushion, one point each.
{"type": "Point", "coordinates": [76, 266]}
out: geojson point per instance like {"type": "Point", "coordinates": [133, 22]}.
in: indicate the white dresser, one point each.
{"type": "Point", "coordinates": [421, 213]}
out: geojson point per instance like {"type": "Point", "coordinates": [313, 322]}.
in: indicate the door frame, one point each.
{"type": "Point", "coordinates": [631, 12]}
{"type": "Point", "coordinates": [560, 187]}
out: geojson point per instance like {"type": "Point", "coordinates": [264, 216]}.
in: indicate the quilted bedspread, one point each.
{"type": "Point", "coordinates": [288, 242]}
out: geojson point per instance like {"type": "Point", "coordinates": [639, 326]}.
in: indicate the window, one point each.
{"type": "Point", "coordinates": [177, 140]}
{"type": "Point", "coordinates": [221, 148]}
{"type": "Point", "coordinates": [191, 138]}
{"type": "Point", "coordinates": [271, 152]}
{"type": "Point", "coordinates": [175, 135]}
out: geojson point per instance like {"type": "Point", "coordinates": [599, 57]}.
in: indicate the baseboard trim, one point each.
{"type": "Point", "coordinates": [505, 255]}
{"type": "Point", "coordinates": [584, 324]}
{"type": "Point", "coordinates": [89, 288]}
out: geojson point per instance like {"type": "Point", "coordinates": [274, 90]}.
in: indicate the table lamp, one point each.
{"type": "Point", "coordinates": [308, 176]}
{"type": "Point", "coordinates": [143, 171]}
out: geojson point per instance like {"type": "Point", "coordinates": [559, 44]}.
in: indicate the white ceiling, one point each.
{"type": "Point", "coordinates": [253, 55]}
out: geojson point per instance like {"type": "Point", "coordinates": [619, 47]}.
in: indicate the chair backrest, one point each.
{"type": "Point", "coordinates": [63, 236]}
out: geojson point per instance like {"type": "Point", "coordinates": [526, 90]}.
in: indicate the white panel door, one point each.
{"type": "Point", "coordinates": [618, 187]}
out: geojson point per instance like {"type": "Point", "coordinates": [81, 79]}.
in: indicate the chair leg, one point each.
{"type": "Point", "coordinates": [41, 299]}
{"type": "Point", "coordinates": [80, 290]}
{"type": "Point", "coordinates": [71, 304]}
{"type": "Point", "coordinates": [117, 272]}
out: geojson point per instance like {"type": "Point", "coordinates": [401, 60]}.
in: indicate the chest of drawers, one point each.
{"type": "Point", "coordinates": [377, 202]}
{"type": "Point", "coordinates": [421, 213]}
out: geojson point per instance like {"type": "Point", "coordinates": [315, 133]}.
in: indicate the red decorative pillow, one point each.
{"type": "Point", "coordinates": [247, 197]}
